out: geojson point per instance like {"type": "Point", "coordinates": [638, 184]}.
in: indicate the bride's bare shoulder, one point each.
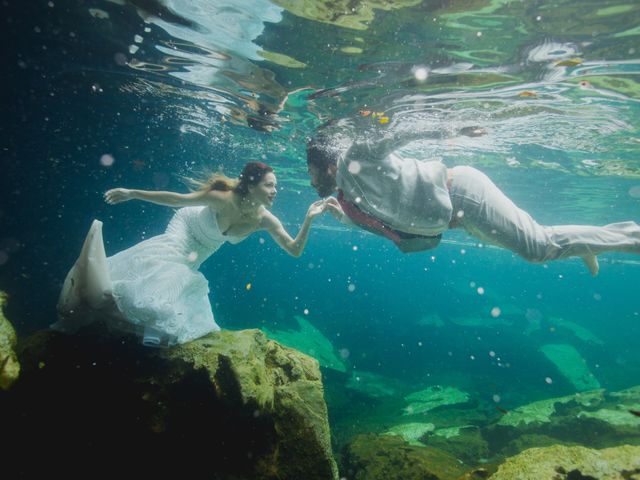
{"type": "Point", "coordinates": [268, 220]}
{"type": "Point", "coordinates": [219, 199]}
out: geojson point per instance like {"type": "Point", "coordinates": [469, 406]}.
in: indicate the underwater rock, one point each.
{"type": "Point", "coordinates": [389, 457]}
{"type": "Point", "coordinates": [478, 473]}
{"type": "Point", "coordinates": [464, 442]}
{"type": "Point", "coordinates": [372, 384]}
{"type": "Point", "coordinates": [631, 394]}
{"type": "Point", "coordinates": [618, 416]}
{"type": "Point", "coordinates": [527, 441]}
{"type": "Point", "coordinates": [459, 416]}
{"type": "Point", "coordinates": [595, 419]}
{"type": "Point", "coordinates": [541, 411]}
{"type": "Point", "coordinates": [9, 365]}
{"type": "Point", "coordinates": [308, 339]}
{"type": "Point", "coordinates": [411, 432]}
{"type": "Point", "coordinates": [571, 365]}
{"type": "Point", "coordinates": [619, 410]}
{"type": "Point", "coordinates": [233, 405]}
{"type": "Point", "coordinates": [451, 432]}
{"type": "Point", "coordinates": [560, 463]}
{"type": "Point", "coordinates": [432, 397]}
{"type": "Point", "coordinates": [578, 330]}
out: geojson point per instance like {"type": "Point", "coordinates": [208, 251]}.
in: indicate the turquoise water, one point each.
{"type": "Point", "coordinates": [167, 90]}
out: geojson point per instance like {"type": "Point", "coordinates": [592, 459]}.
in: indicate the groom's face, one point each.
{"type": "Point", "coordinates": [323, 180]}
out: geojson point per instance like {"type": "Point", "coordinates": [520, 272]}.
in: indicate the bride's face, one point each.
{"type": "Point", "coordinates": [265, 191]}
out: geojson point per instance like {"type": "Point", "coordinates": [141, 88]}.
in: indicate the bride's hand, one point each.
{"type": "Point", "coordinates": [316, 208]}
{"type": "Point", "coordinates": [117, 195]}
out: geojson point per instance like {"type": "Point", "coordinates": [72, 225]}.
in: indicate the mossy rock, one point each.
{"type": "Point", "coordinates": [9, 365]}
{"type": "Point", "coordinates": [412, 432]}
{"type": "Point", "coordinates": [560, 462]}
{"type": "Point", "coordinates": [389, 457]}
{"type": "Point", "coordinates": [230, 406]}
{"type": "Point", "coordinates": [525, 442]}
{"type": "Point", "coordinates": [433, 397]}
{"type": "Point", "coordinates": [595, 419]}
{"type": "Point", "coordinates": [465, 443]}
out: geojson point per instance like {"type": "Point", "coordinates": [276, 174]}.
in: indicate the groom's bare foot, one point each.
{"type": "Point", "coordinates": [591, 261]}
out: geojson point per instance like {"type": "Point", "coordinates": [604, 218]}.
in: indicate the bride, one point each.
{"type": "Point", "coordinates": [154, 289]}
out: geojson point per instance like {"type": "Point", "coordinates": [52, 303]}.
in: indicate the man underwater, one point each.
{"type": "Point", "coordinates": [412, 201]}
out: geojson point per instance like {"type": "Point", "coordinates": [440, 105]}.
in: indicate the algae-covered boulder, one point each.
{"type": "Point", "coordinates": [272, 381]}
{"type": "Point", "coordinates": [433, 397]}
{"type": "Point", "coordinates": [594, 419]}
{"type": "Point", "coordinates": [9, 366]}
{"type": "Point", "coordinates": [465, 442]}
{"type": "Point", "coordinates": [542, 411]}
{"type": "Point", "coordinates": [389, 457]}
{"type": "Point", "coordinates": [527, 441]}
{"type": "Point", "coordinates": [412, 432]}
{"type": "Point", "coordinates": [230, 406]}
{"type": "Point", "coordinates": [617, 416]}
{"type": "Point", "coordinates": [560, 462]}
{"type": "Point", "coordinates": [571, 365]}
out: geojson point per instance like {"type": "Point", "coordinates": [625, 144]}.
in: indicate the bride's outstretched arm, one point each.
{"type": "Point", "coordinates": [169, 199]}
{"type": "Point", "coordinates": [293, 246]}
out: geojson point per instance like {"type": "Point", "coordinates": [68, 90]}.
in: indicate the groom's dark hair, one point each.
{"type": "Point", "coordinates": [325, 148]}
{"type": "Point", "coordinates": [319, 156]}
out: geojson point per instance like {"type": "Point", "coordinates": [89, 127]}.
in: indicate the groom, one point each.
{"type": "Point", "coordinates": [412, 202]}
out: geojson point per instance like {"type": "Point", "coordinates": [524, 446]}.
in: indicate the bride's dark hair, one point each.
{"type": "Point", "coordinates": [252, 174]}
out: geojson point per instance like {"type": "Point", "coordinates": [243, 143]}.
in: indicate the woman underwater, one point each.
{"type": "Point", "coordinates": [154, 289]}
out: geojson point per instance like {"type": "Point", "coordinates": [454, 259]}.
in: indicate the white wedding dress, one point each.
{"type": "Point", "coordinates": [153, 289]}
